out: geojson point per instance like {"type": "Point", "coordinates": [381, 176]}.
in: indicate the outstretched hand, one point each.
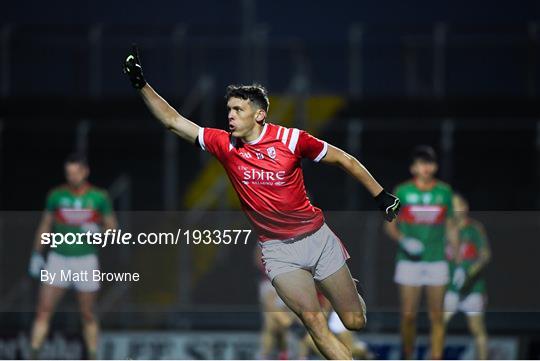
{"type": "Point", "coordinates": [389, 204]}
{"type": "Point", "coordinates": [133, 69]}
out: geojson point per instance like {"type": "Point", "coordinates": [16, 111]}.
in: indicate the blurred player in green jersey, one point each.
{"type": "Point", "coordinates": [423, 226]}
{"type": "Point", "coordinates": [76, 207]}
{"type": "Point", "coordinates": [467, 288]}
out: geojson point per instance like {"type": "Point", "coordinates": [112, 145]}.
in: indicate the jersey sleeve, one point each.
{"type": "Point", "coordinates": [105, 206]}
{"type": "Point", "coordinates": [310, 147]}
{"type": "Point", "coordinates": [51, 201]}
{"type": "Point", "coordinates": [214, 141]}
{"type": "Point", "coordinates": [481, 235]}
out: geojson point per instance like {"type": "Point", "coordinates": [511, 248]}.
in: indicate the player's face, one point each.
{"type": "Point", "coordinates": [461, 208]}
{"type": "Point", "coordinates": [424, 170]}
{"type": "Point", "coordinates": [242, 117]}
{"type": "Point", "coordinates": [76, 174]}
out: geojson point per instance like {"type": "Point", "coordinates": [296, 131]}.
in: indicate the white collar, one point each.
{"type": "Point", "coordinates": [260, 135]}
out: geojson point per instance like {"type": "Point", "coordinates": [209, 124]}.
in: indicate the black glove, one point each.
{"type": "Point", "coordinates": [389, 204]}
{"type": "Point", "coordinates": [133, 69]}
{"type": "Point", "coordinates": [470, 281]}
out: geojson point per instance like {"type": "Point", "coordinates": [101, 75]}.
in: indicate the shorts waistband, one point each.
{"type": "Point", "coordinates": [292, 239]}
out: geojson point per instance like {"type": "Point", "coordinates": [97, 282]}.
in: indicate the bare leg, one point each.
{"type": "Point", "coordinates": [276, 321]}
{"type": "Point", "coordinates": [478, 330]}
{"type": "Point", "coordinates": [47, 301]}
{"type": "Point", "coordinates": [89, 322]}
{"type": "Point", "coordinates": [306, 346]}
{"type": "Point", "coordinates": [359, 351]}
{"type": "Point", "coordinates": [435, 301]}
{"type": "Point", "coordinates": [340, 290]}
{"type": "Point", "coordinates": [297, 289]}
{"type": "Point", "coordinates": [267, 336]}
{"type": "Point", "coordinates": [410, 298]}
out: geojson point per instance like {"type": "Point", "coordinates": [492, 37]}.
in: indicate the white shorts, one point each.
{"type": "Point", "coordinates": [335, 325]}
{"type": "Point", "coordinates": [266, 287]}
{"type": "Point", "coordinates": [472, 304]}
{"type": "Point", "coordinates": [320, 253]}
{"type": "Point", "coordinates": [410, 273]}
{"type": "Point", "coordinates": [60, 265]}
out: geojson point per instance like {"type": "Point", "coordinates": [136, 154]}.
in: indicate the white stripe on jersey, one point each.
{"type": "Point", "coordinates": [279, 132]}
{"type": "Point", "coordinates": [294, 139]}
{"type": "Point", "coordinates": [260, 137]}
{"type": "Point", "coordinates": [201, 138]}
{"type": "Point", "coordinates": [285, 135]}
{"type": "Point", "coordinates": [322, 153]}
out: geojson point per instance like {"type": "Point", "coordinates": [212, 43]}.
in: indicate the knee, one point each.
{"type": "Point", "coordinates": [87, 315]}
{"type": "Point", "coordinates": [436, 317]}
{"type": "Point", "coordinates": [354, 321]}
{"type": "Point", "coordinates": [44, 313]}
{"type": "Point", "coordinates": [315, 322]}
{"type": "Point", "coordinates": [408, 317]}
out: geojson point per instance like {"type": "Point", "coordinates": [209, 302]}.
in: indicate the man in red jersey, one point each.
{"type": "Point", "coordinates": [262, 161]}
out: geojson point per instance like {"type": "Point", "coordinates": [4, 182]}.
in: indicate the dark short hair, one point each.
{"type": "Point", "coordinates": [254, 92]}
{"type": "Point", "coordinates": [79, 158]}
{"type": "Point", "coordinates": [424, 153]}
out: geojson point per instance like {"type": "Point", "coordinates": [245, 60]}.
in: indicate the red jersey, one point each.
{"type": "Point", "coordinates": [266, 174]}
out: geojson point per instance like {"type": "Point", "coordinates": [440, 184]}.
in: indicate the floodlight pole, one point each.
{"type": "Point", "coordinates": [533, 58]}
{"type": "Point", "coordinates": [354, 145]}
{"type": "Point", "coordinates": [178, 37]}
{"type": "Point", "coordinates": [447, 147]}
{"type": "Point", "coordinates": [5, 54]}
{"type": "Point", "coordinates": [411, 68]}
{"type": "Point", "coordinates": [439, 57]}
{"type": "Point", "coordinates": [246, 60]}
{"type": "Point", "coordinates": [81, 139]}
{"type": "Point", "coordinates": [356, 33]}
{"type": "Point", "coordinates": [537, 162]}
{"type": "Point", "coordinates": [260, 47]}
{"type": "Point", "coordinates": [95, 36]}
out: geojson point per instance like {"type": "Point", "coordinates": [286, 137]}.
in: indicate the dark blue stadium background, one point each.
{"type": "Point", "coordinates": [64, 61]}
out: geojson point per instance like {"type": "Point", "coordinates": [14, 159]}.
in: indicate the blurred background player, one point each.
{"type": "Point", "coordinates": [277, 318]}
{"type": "Point", "coordinates": [75, 207]}
{"type": "Point", "coordinates": [263, 163]}
{"type": "Point", "coordinates": [421, 232]}
{"type": "Point", "coordinates": [467, 288]}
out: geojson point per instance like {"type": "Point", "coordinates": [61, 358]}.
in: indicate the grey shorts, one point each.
{"type": "Point", "coordinates": [61, 265]}
{"type": "Point", "coordinates": [320, 253]}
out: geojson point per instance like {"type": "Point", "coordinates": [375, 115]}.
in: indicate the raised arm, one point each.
{"type": "Point", "coordinates": [166, 114]}
{"type": "Point", "coordinates": [352, 166]}
{"type": "Point", "coordinates": [387, 202]}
